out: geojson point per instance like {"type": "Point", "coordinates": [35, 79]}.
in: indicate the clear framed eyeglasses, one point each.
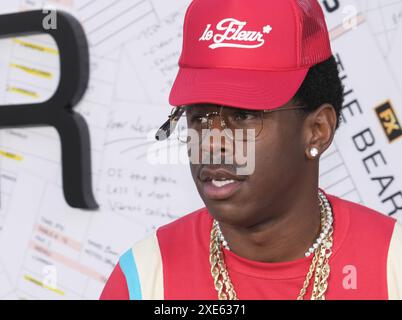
{"type": "Point", "coordinates": [237, 124]}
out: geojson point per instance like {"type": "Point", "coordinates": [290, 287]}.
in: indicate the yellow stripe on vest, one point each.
{"type": "Point", "coordinates": [148, 259]}
{"type": "Point", "coordinates": [394, 264]}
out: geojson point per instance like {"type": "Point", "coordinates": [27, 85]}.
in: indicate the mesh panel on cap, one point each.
{"type": "Point", "coordinates": [314, 46]}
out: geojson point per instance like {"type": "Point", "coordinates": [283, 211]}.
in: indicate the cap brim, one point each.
{"type": "Point", "coordinates": [248, 89]}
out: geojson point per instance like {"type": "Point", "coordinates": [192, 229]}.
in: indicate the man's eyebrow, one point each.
{"type": "Point", "coordinates": [200, 107]}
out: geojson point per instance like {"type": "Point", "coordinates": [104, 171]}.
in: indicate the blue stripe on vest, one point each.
{"type": "Point", "coordinates": [129, 268]}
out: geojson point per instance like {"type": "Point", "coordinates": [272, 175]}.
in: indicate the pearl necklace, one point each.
{"type": "Point", "coordinates": [325, 227]}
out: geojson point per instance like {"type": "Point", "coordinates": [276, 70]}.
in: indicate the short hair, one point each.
{"type": "Point", "coordinates": [322, 85]}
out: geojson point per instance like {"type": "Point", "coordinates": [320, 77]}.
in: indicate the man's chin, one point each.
{"type": "Point", "coordinates": [228, 211]}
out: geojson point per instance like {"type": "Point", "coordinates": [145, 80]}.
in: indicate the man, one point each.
{"type": "Point", "coordinates": [264, 65]}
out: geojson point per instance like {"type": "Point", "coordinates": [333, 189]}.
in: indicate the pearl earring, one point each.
{"type": "Point", "coordinates": [314, 152]}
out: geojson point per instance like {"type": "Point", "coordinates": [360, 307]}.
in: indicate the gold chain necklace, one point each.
{"type": "Point", "coordinates": [319, 267]}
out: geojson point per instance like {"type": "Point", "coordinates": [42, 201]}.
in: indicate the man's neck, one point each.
{"type": "Point", "coordinates": [286, 237]}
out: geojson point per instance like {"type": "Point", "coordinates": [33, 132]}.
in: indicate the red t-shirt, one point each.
{"type": "Point", "coordinates": [174, 262]}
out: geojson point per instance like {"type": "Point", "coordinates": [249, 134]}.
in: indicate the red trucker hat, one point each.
{"type": "Point", "coordinates": [251, 54]}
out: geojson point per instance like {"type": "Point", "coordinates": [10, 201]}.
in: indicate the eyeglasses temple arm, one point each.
{"type": "Point", "coordinates": [166, 130]}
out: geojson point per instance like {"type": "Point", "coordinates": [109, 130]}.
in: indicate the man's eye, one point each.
{"type": "Point", "coordinates": [198, 119]}
{"type": "Point", "coordinates": [243, 116]}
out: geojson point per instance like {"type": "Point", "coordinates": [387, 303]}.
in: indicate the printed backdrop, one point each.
{"type": "Point", "coordinates": [50, 251]}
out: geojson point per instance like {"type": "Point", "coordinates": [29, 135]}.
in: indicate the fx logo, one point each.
{"type": "Point", "coordinates": [58, 111]}
{"type": "Point", "coordinates": [389, 121]}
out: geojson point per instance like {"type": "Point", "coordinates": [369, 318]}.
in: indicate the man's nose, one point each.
{"type": "Point", "coordinates": [216, 143]}
{"type": "Point", "coordinates": [216, 122]}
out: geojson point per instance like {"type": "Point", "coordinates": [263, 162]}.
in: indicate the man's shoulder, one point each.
{"type": "Point", "coordinates": [363, 217]}
{"type": "Point", "coordinates": [185, 233]}
{"type": "Point", "coordinates": [194, 220]}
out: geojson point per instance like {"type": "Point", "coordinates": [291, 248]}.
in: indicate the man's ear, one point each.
{"type": "Point", "coordinates": [319, 128]}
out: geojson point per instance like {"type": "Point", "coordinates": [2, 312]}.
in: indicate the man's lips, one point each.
{"type": "Point", "coordinates": [219, 184]}
{"type": "Point", "coordinates": [219, 173]}
{"type": "Point", "coordinates": [214, 192]}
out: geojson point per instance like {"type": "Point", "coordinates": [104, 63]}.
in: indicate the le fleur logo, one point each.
{"type": "Point", "coordinates": [58, 111]}
{"type": "Point", "coordinates": [232, 33]}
